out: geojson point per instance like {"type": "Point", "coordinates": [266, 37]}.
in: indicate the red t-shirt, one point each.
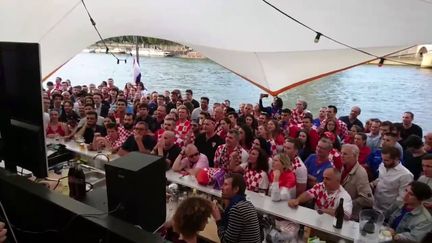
{"type": "Point", "coordinates": [287, 179]}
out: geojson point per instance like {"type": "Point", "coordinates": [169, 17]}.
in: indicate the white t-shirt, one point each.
{"type": "Point", "coordinates": [300, 171]}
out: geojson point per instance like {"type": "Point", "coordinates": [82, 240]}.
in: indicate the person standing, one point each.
{"type": "Point", "coordinates": [355, 180]}
{"type": "Point", "coordinates": [392, 180]}
{"type": "Point", "coordinates": [239, 221]}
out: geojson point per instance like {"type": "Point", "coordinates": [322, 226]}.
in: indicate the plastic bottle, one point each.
{"type": "Point", "coordinates": [77, 185]}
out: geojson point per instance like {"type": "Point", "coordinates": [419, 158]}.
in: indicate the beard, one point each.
{"type": "Point", "coordinates": [128, 126]}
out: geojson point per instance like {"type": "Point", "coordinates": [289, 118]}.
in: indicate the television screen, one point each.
{"type": "Point", "coordinates": [21, 116]}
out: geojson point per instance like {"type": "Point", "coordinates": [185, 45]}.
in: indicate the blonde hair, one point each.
{"type": "Point", "coordinates": [285, 161]}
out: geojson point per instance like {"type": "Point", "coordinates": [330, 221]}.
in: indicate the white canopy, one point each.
{"type": "Point", "coordinates": [246, 36]}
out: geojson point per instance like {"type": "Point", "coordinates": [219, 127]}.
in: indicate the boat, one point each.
{"type": "Point", "coordinates": [153, 52]}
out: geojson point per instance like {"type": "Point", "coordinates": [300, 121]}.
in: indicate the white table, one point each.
{"type": "Point", "coordinates": [73, 146]}
{"type": "Point", "coordinates": [263, 203]}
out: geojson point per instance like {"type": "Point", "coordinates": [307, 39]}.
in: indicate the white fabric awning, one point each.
{"type": "Point", "coordinates": [245, 36]}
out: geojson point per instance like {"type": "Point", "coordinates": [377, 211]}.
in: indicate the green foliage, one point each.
{"type": "Point", "coordinates": [141, 40]}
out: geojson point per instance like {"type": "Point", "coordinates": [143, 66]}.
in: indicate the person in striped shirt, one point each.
{"type": "Point", "coordinates": [239, 221]}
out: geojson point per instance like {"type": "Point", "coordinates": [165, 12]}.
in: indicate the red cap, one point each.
{"type": "Point", "coordinates": [202, 177]}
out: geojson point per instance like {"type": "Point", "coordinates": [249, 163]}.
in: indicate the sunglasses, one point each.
{"type": "Point", "coordinates": [193, 155]}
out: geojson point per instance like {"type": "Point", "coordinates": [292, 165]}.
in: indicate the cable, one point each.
{"type": "Point", "coordinates": [68, 224]}
{"type": "Point", "coordinates": [99, 34]}
{"type": "Point", "coordinates": [8, 222]}
{"type": "Point", "coordinates": [319, 34]}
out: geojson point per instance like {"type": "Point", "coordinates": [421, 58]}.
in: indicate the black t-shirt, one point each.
{"type": "Point", "coordinates": [151, 122]}
{"type": "Point", "coordinates": [346, 120]}
{"type": "Point", "coordinates": [131, 145]}
{"type": "Point", "coordinates": [414, 129]}
{"type": "Point", "coordinates": [208, 147]}
{"type": "Point", "coordinates": [172, 153]}
{"type": "Point", "coordinates": [195, 103]}
{"type": "Point", "coordinates": [89, 133]}
{"type": "Point", "coordinates": [413, 164]}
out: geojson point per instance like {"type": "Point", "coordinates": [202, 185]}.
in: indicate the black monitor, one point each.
{"type": "Point", "coordinates": [21, 117]}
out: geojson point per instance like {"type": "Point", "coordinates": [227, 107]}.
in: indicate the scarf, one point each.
{"type": "Point", "coordinates": [236, 199]}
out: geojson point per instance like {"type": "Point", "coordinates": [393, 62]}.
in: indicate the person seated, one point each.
{"type": "Point", "coordinates": [256, 171]}
{"type": "Point", "coordinates": [56, 128]}
{"type": "Point", "coordinates": [89, 128]}
{"type": "Point", "coordinates": [189, 219]}
{"type": "Point", "coordinates": [110, 142]}
{"type": "Point", "coordinates": [317, 163]}
{"type": "Point", "coordinates": [221, 158]}
{"type": "Point", "coordinates": [140, 140]}
{"type": "Point", "coordinates": [167, 148]}
{"type": "Point", "coordinates": [327, 195]}
{"type": "Point", "coordinates": [282, 179]}
{"type": "Point", "coordinates": [190, 160]}
{"type": "Point", "coordinates": [239, 221]}
{"type": "Point", "coordinates": [410, 220]}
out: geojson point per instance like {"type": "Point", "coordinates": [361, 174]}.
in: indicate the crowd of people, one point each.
{"type": "Point", "coordinates": [288, 154]}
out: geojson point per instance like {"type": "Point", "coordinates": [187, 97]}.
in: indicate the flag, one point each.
{"type": "Point", "coordinates": [136, 71]}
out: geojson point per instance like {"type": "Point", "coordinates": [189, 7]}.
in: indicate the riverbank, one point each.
{"type": "Point", "coordinates": [147, 50]}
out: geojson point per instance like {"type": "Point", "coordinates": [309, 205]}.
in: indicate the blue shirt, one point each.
{"type": "Point", "coordinates": [315, 169]}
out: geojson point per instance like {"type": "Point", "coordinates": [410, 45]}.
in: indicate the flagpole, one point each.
{"type": "Point", "coordinates": [136, 48]}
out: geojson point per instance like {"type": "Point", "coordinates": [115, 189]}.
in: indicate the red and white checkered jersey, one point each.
{"type": "Point", "coordinates": [325, 199]}
{"type": "Point", "coordinates": [182, 128]}
{"type": "Point", "coordinates": [178, 141]}
{"type": "Point", "coordinates": [342, 127]}
{"type": "Point", "coordinates": [297, 117]}
{"type": "Point", "coordinates": [124, 134]}
{"type": "Point", "coordinates": [335, 159]}
{"type": "Point", "coordinates": [256, 180]}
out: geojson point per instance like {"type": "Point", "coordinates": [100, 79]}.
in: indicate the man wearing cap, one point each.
{"type": "Point", "coordinates": [410, 220]}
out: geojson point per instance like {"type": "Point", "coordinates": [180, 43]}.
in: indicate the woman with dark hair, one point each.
{"type": "Point", "coordinates": [251, 122]}
{"type": "Point", "coordinates": [256, 171]}
{"type": "Point", "coordinates": [275, 133]}
{"type": "Point", "coordinates": [349, 139]}
{"type": "Point", "coordinates": [333, 127]}
{"type": "Point", "coordinates": [190, 218]}
{"type": "Point", "coordinates": [305, 150]}
{"type": "Point", "coordinates": [261, 143]}
{"type": "Point", "coordinates": [263, 132]}
{"type": "Point", "coordinates": [276, 107]}
{"type": "Point", "coordinates": [246, 137]}
{"type": "Point", "coordinates": [225, 126]}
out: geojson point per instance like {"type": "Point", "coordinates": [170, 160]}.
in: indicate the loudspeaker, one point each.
{"type": "Point", "coordinates": [136, 189]}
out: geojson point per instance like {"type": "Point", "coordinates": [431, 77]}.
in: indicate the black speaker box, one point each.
{"type": "Point", "coordinates": [136, 188]}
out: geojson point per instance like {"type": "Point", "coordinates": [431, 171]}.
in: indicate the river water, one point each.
{"type": "Point", "coordinates": [382, 92]}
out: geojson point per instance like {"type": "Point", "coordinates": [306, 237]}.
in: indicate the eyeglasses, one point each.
{"type": "Point", "coordinates": [139, 129]}
{"type": "Point", "coordinates": [193, 155]}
